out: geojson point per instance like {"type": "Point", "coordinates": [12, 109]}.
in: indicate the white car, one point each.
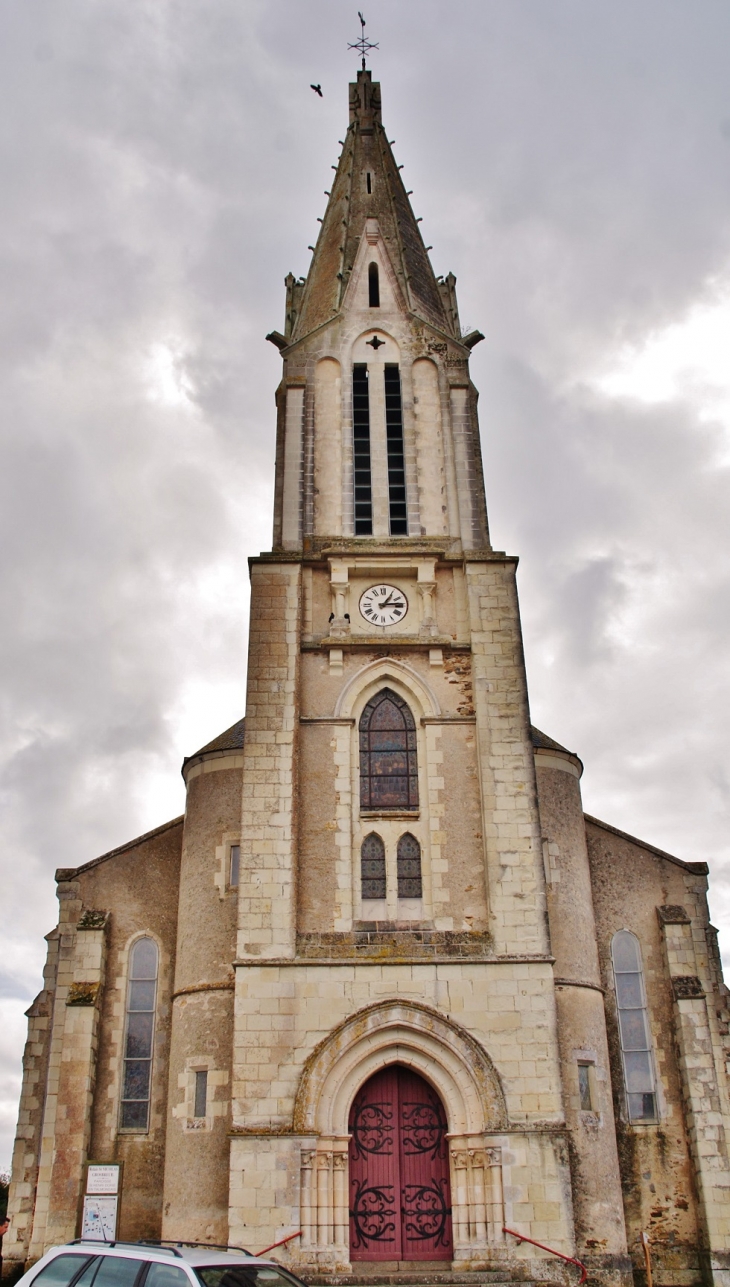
{"type": "Point", "coordinates": [153, 1264]}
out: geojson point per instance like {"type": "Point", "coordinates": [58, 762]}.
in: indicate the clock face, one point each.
{"type": "Point", "coordinates": [383, 605]}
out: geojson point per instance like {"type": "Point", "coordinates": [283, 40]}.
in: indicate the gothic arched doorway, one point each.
{"type": "Point", "coordinates": [400, 1203]}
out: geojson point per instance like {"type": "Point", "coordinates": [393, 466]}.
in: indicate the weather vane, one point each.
{"type": "Point", "coordinates": [363, 45]}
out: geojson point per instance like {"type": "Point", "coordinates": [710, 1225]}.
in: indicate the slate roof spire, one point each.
{"type": "Point", "coordinates": [368, 185]}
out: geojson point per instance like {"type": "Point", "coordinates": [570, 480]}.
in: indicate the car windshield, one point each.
{"type": "Point", "coordinates": [244, 1276]}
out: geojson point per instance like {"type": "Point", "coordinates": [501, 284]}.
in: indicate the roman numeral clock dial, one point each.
{"type": "Point", "coordinates": [383, 605]}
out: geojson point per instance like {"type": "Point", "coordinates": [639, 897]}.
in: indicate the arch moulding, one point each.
{"type": "Point", "coordinates": [379, 671]}
{"type": "Point", "coordinates": [403, 1032]}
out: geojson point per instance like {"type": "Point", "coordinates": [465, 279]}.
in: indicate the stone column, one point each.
{"type": "Point", "coordinates": [478, 1208]}
{"type": "Point", "coordinates": [308, 1206]}
{"type": "Point", "coordinates": [427, 591]}
{"type": "Point", "coordinates": [469, 484]}
{"type": "Point", "coordinates": [460, 1199]}
{"type": "Point", "coordinates": [341, 1218]}
{"type": "Point", "coordinates": [266, 904]}
{"type": "Point", "coordinates": [324, 1199]}
{"type": "Point", "coordinates": [72, 1073]}
{"type": "Point", "coordinates": [598, 1205]}
{"type": "Point", "coordinates": [701, 1084]}
{"type": "Point", "coordinates": [495, 1202]}
{"type": "Point", "coordinates": [24, 1176]}
{"type": "Point", "coordinates": [291, 518]}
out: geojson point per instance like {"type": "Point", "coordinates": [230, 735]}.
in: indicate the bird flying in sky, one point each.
{"type": "Point", "coordinates": [317, 89]}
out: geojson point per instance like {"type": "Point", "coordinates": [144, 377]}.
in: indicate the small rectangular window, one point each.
{"type": "Point", "coordinates": [235, 865]}
{"type": "Point", "coordinates": [584, 1087]}
{"type": "Point", "coordinates": [201, 1094]}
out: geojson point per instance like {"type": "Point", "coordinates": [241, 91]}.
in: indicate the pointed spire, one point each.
{"type": "Point", "coordinates": [368, 185]}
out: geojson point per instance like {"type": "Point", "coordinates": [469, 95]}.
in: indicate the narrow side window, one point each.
{"type": "Point", "coordinates": [201, 1094]}
{"type": "Point", "coordinates": [373, 284]}
{"type": "Point", "coordinates": [584, 1087]}
{"type": "Point", "coordinates": [235, 866]}
{"type": "Point", "coordinates": [396, 457]}
{"type": "Point", "coordinates": [361, 450]}
{"type": "Point", "coordinates": [139, 1035]}
{"type": "Point", "coordinates": [410, 884]}
{"type": "Point", "coordinates": [633, 1022]}
{"type": "Point", "coordinates": [369, 182]}
{"type": "Point", "coordinates": [372, 867]}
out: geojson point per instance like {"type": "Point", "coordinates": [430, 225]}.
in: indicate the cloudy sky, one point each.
{"type": "Point", "coordinates": [163, 165]}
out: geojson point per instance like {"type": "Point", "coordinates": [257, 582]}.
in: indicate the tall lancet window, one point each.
{"type": "Point", "coordinates": [396, 460]}
{"type": "Point", "coordinates": [373, 285]}
{"type": "Point", "coordinates": [388, 765]}
{"type": "Point", "coordinates": [372, 867]}
{"type": "Point", "coordinates": [361, 451]}
{"type": "Point", "coordinates": [633, 1022]}
{"type": "Point", "coordinates": [139, 1035]}
{"type": "Point", "coordinates": [410, 884]}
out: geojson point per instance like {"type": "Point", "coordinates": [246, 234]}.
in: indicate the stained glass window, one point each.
{"type": "Point", "coordinates": [409, 867]}
{"type": "Point", "coordinates": [138, 1039]}
{"type": "Point", "coordinates": [633, 1022]}
{"type": "Point", "coordinates": [372, 867]}
{"type": "Point", "coordinates": [388, 767]}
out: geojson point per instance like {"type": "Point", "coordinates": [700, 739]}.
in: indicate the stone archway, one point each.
{"type": "Point", "coordinates": [461, 1073]}
{"type": "Point", "coordinates": [400, 1032]}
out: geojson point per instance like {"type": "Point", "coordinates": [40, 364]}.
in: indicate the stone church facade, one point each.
{"type": "Point", "coordinates": [384, 986]}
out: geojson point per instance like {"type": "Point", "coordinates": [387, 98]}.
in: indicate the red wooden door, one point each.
{"type": "Point", "coordinates": [400, 1206]}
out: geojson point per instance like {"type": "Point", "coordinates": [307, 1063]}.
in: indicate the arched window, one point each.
{"type": "Point", "coordinates": [409, 867]}
{"type": "Point", "coordinates": [388, 768]}
{"type": "Point", "coordinates": [633, 1022]}
{"type": "Point", "coordinates": [139, 1035]}
{"type": "Point", "coordinates": [373, 286]}
{"type": "Point", "coordinates": [372, 867]}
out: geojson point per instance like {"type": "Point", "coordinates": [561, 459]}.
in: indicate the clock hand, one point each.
{"type": "Point", "coordinates": [387, 602]}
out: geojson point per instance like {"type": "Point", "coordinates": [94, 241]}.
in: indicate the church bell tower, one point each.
{"type": "Point", "coordinates": [393, 946]}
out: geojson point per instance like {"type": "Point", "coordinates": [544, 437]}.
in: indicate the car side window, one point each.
{"type": "Point", "coordinates": [87, 1277]}
{"type": "Point", "coordinates": [118, 1271]}
{"type": "Point", "coordinates": [166, 1276]}
{"type": "Point", "coordinates": [62, 1270]}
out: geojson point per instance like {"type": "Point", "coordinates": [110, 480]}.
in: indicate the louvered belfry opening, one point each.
{"type": "Point", "coordinates": [396, 452]}
{"type": "Point", "coordinates": [388, 760]}
{"type": "Point", "coordinates": [361, 450]}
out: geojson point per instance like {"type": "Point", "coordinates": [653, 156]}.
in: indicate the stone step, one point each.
{"type": "Point", "coordinates": [423, 1278]}
{"type": "Point", "coordinates": [486, 1278]}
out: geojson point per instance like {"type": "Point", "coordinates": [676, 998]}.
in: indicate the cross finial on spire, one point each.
{"type": "Point", "coordinates": [363, 45]}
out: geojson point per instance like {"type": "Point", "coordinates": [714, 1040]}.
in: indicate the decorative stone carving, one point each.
{"type": "Point", "coordinates": [83, 994]}
{"type": "Point", "coordinates": [687, 986]}
{"type": "Point", "coordinates": [93, 920]}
